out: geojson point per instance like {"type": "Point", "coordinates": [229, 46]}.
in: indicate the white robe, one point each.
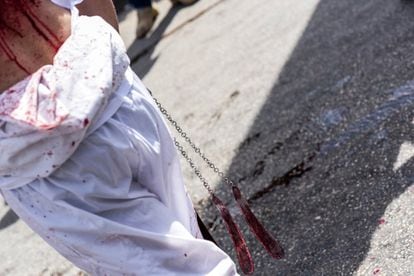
{"type": "Point", "coordinates": [88, 163]}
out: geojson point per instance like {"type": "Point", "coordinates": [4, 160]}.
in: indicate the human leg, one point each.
{"type": "Point", "coordinates": [183, 2]}
{"type": "Point", "coordinates": [140, 4]}
{"type": "Point", "coordinates": [146, 16]}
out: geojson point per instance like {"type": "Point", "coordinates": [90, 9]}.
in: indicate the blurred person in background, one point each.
{"type": "Point", "coordinates": [147, 14]}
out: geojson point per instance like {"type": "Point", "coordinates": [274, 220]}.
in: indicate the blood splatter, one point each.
{"type": "Point", "coordinates": [376, 271]}
{"type": "Point", "coordinates": [12, 15]}
{"type": "Point", "coordinates": [4, 46]}
{"type": "Point", "coordinates": [36, 23]}
{"type": "Point", "coordinates": [381, 221]}
{"type": "Point", "coordinates": [85, 122]}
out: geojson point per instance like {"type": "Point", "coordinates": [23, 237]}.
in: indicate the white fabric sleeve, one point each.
{"type": "Point", "coordinates": [66, 3]}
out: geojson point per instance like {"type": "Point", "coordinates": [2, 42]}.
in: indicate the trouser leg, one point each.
{"type": "Point", "coordinates": [140, 4]}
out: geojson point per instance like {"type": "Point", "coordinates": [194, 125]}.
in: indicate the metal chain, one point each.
{"type": "Point", "coordinates": [196, 150]}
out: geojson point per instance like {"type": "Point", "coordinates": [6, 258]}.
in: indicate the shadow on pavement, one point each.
{"type": "Point", "coordinates": [318, 163]}
{"type": "Point", "coordinates": [8, 219]}
{"type": "Point", "coordinates": [142, 49]}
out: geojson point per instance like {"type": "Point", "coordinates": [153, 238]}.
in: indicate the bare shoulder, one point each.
{"type": "Point", "coordinates": [102, 8]}
{"type": "Point", "coordinates": [31, 32]}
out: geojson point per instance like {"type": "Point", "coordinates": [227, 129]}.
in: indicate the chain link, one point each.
{"type": "Point", "coordinates": [196, 150]}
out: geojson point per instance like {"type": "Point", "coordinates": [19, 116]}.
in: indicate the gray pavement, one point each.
{"type": "Point", "coordinates": [308, 105]}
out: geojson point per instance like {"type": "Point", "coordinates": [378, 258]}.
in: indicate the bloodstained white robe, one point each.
{"type": "Point", "coordinates": [88, 163]}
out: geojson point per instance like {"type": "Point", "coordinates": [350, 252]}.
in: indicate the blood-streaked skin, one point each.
{"type": "Point", "coordinates": [31, 32]}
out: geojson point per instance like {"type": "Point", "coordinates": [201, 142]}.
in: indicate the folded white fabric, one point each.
{"type": "Point", "coordinates": [67, 3]}
{"type": "Point", "coordinates": [44, 117]}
